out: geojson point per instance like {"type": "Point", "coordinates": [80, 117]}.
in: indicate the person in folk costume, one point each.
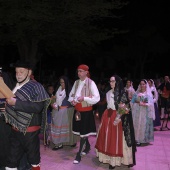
{"type": "Point", "coordinates": [27, 115]}
{"type": "Point", "coordinates": [62, 116]}
{"type": "Point", "coordinates": [157, 121]}
{"type": "Point", "coordinates": [5, 128]}
{"type": "Point", "coordinates": [143, 113]}
{"type": "Point", "coordinates": [115, 144]}
{"type": "Point", "coordinates": [83, 96]}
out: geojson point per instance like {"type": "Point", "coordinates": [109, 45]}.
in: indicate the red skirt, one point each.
{"type": "Point", "coordinates": [109, 138]}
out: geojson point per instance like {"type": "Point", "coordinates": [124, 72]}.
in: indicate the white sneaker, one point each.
{"type": "Point", "coordinates": [85, 151]}
{"type": "Point", "coordinates": [77, 159]}
{"type": "Point", "coordinates": [75, 162]}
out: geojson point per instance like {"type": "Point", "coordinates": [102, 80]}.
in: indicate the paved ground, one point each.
{"type": "Point", "coordinates": [155, 156]}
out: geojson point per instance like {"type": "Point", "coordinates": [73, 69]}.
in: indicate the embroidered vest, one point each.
{"type": "Point", "coordinates": [86, 91]}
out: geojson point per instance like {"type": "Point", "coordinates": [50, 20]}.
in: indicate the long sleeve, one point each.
{"type": "Point", "coordinates": [72, 93]}
{"type": "Point", "coordinates": [95, 94]}
{"type": "Point", "coordinates": [110, 100]}
{"type": "Point", "coordinates": [29, 107]}
{"type": "Point", "coordinates": [93, 99]}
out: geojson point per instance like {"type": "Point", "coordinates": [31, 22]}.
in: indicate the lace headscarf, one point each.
{"type": "Point", "coordinates": [62, 93]}
{"type": "Point", "coordinates": [119, 92]}
{"type": "Point", "coordinates": [120, 95]}
{"type": "Point", "coordinates": [148, 89]}
{"type": "Point", "coordinates": [153, 84]}
{"type": "Point", "coordinates": [151, 111]}
{"type": "Point", "coordinates": [154, 91]}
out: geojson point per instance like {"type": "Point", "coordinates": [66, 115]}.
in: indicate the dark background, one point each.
{"type": "Point", "coordinates": [130, 38]}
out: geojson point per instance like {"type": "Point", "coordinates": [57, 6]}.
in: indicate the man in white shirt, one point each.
{"type": "Point", "coordinates": [83, 96]}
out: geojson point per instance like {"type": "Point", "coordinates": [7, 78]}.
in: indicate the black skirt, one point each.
{"type": "Point", "coordinates": [86, 126]}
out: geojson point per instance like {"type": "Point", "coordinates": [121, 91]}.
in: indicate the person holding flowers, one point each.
{"type": "Point", "coordinates": [115, 144]}
{"type": "Point", "coordinates": [143, 113]}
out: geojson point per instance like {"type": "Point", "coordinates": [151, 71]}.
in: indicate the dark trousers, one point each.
{"type": "Point", "coordinates": [164, 102]}
{"type": "Point", "coordinates": [21, 144]}
{"type": "Point", "coordinates": [5, 130]}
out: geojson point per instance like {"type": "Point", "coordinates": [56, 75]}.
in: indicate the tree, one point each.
{"type": "Point", "coordinates": [63, 27]}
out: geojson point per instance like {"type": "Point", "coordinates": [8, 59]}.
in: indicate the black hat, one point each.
{"type": "Point", "coordinates": [23, 64]}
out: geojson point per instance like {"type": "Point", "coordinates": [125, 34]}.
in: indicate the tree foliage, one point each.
{"type": "Point", "coordinates": [64, 26]}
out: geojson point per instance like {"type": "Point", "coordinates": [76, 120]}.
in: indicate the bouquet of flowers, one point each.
{"type": "Point", "coordinates": [145, 100]}
{"type": "Point", "coordinates": [122, 109]}
{"type": "Point", "coordinates": [141, 98]}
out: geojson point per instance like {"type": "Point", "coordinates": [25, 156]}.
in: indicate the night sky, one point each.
{"type": "Point", "coordinates": [140, 17]}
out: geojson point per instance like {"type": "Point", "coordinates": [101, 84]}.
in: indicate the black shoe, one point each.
{"type": "Point", "coordinates": [77, 159]}
{"type": "Point", "coordinates": [57, 147]}
{"type": "Point", "coordinates": [86, 150]}
{"type": "Point", "coordinates": [74, 145]}
{"type": "Point", "coordinates": [111, 167]}
{"type": "Point", "coordinates": [129, 166]}
{"type": "Point", "coordinates": [138, 144]}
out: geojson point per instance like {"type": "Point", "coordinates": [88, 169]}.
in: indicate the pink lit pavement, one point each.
{"type": "Point", "coordinates": [155, 156]}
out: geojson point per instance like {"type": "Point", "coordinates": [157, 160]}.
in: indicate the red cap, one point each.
{"type": "Point", "coordinates": [83, 67]}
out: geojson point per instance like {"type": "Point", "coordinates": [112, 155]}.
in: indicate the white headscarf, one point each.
{"type": "Point", "coordinates": [60, 95]}
{"type": "Point", "coordinates": [154, 90]}
{"type": "Point", "coordinates": [148, 89]}
{"type": "Point", "coordinates": [151, 110]}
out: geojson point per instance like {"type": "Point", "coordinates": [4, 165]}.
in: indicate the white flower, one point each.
{"type": "Point", "coordinates": [140, 94]}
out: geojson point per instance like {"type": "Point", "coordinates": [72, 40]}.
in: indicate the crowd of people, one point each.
{"type": "Point", "coordinates": [64, 115]}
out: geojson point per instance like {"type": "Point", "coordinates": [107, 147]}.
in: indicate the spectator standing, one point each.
{"type": "Point", "coordinates": [129, 88]}
{"type": "Point", "coordinates": [50, 91]}
{"type": "Point", "coordinates": [101, 105]}
{"type": "Point", "coordinates": [157, 121]}
{"type": "Point", "coordinates": [164, 91]}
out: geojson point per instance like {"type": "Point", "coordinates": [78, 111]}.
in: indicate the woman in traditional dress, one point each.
{"type": "Point", "coordinates": [62, 115]}
{"type": "Point", "coordinates": [143, 113]}
{"type": "Point", "coordinates": [115, 143]}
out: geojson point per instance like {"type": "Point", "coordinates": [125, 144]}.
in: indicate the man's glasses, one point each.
{"type": "Point", "coordinates": [79, 71]}
{"type": "Point", "coordinates": [113, 81]}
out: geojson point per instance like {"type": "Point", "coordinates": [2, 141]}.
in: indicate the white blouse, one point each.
{"type": "Point", "coordinates": [110, 100]}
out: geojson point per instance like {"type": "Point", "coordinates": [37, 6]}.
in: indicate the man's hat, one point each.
{"type": "Point", "coordinates": [83, 67]}
{"type": "Point", "coordinates": [23, 64]}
